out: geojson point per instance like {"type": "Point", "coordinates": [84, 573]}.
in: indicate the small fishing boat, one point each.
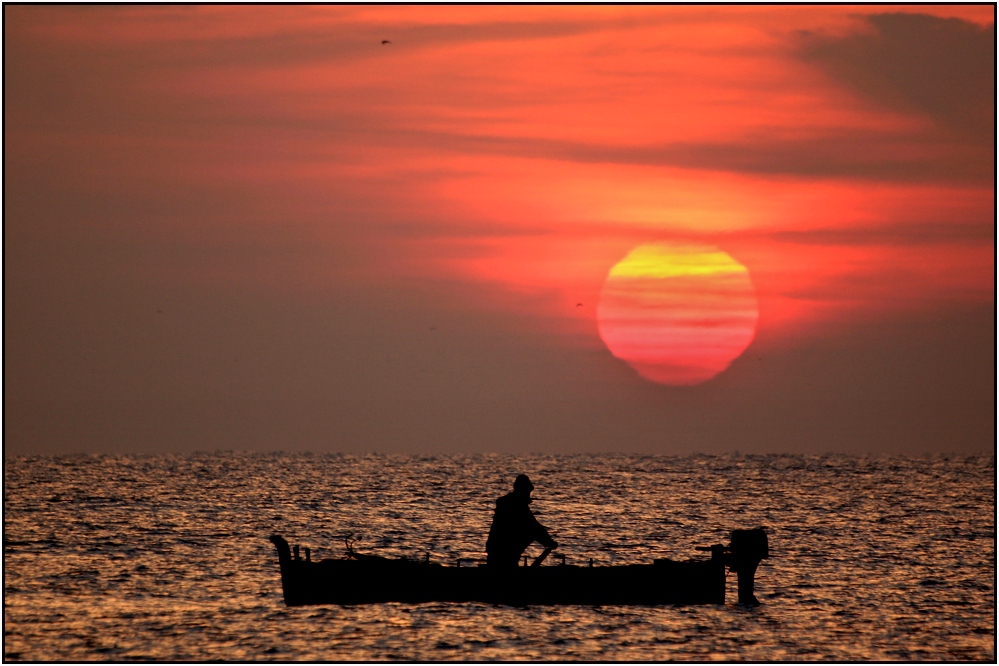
{"type": "Point", "coordinates": [369, 579]}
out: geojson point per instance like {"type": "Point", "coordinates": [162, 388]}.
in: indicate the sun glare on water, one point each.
{"type": "Point", "coordinates": [678, 314]}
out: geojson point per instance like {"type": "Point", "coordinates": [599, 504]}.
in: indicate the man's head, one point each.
{"type": "Point", "coordinates": [523, 485]}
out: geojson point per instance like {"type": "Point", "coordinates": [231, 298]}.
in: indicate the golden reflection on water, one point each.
{"type": "Point", "coordinates": [119, 558]}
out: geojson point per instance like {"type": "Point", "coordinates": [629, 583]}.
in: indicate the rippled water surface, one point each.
{"type": "Point", "coordinates": [123, 558]}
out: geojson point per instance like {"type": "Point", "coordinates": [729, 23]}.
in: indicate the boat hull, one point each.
{"type": "Point", "coordinates": [376, 580]}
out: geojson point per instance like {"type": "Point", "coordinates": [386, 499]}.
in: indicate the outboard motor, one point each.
{"type": "Point", "coordinates": [745, 551]}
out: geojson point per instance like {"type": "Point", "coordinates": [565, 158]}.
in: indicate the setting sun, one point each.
{"type": "Point", "coordinates": [677, 314]}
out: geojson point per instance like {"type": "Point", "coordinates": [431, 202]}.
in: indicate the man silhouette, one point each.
{"type": "Point", "coordinates": [514, 527]}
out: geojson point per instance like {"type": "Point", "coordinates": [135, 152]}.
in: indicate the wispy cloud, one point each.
{"type": "Point", "coordinates": [941, 67]}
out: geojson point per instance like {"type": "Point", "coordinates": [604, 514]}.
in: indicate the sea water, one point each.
{"type": "Point", "coordinates": [167, 557]}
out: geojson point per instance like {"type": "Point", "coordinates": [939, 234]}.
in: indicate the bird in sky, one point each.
{"type": "Point", "coordinates": [385, 41]}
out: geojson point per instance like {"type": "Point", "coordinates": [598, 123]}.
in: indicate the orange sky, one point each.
{"type": "Point", "coordinates": [414, 223]}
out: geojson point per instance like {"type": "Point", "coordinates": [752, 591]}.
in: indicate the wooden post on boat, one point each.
{"type": "Point", "coordinates": [746, 550]}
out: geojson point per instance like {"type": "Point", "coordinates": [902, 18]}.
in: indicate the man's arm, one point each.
{"type": "Point", "coordinates": [541, 534]}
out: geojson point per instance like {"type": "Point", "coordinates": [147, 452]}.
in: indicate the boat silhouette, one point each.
{"type": "Point", "coordinates": [368, 579]}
